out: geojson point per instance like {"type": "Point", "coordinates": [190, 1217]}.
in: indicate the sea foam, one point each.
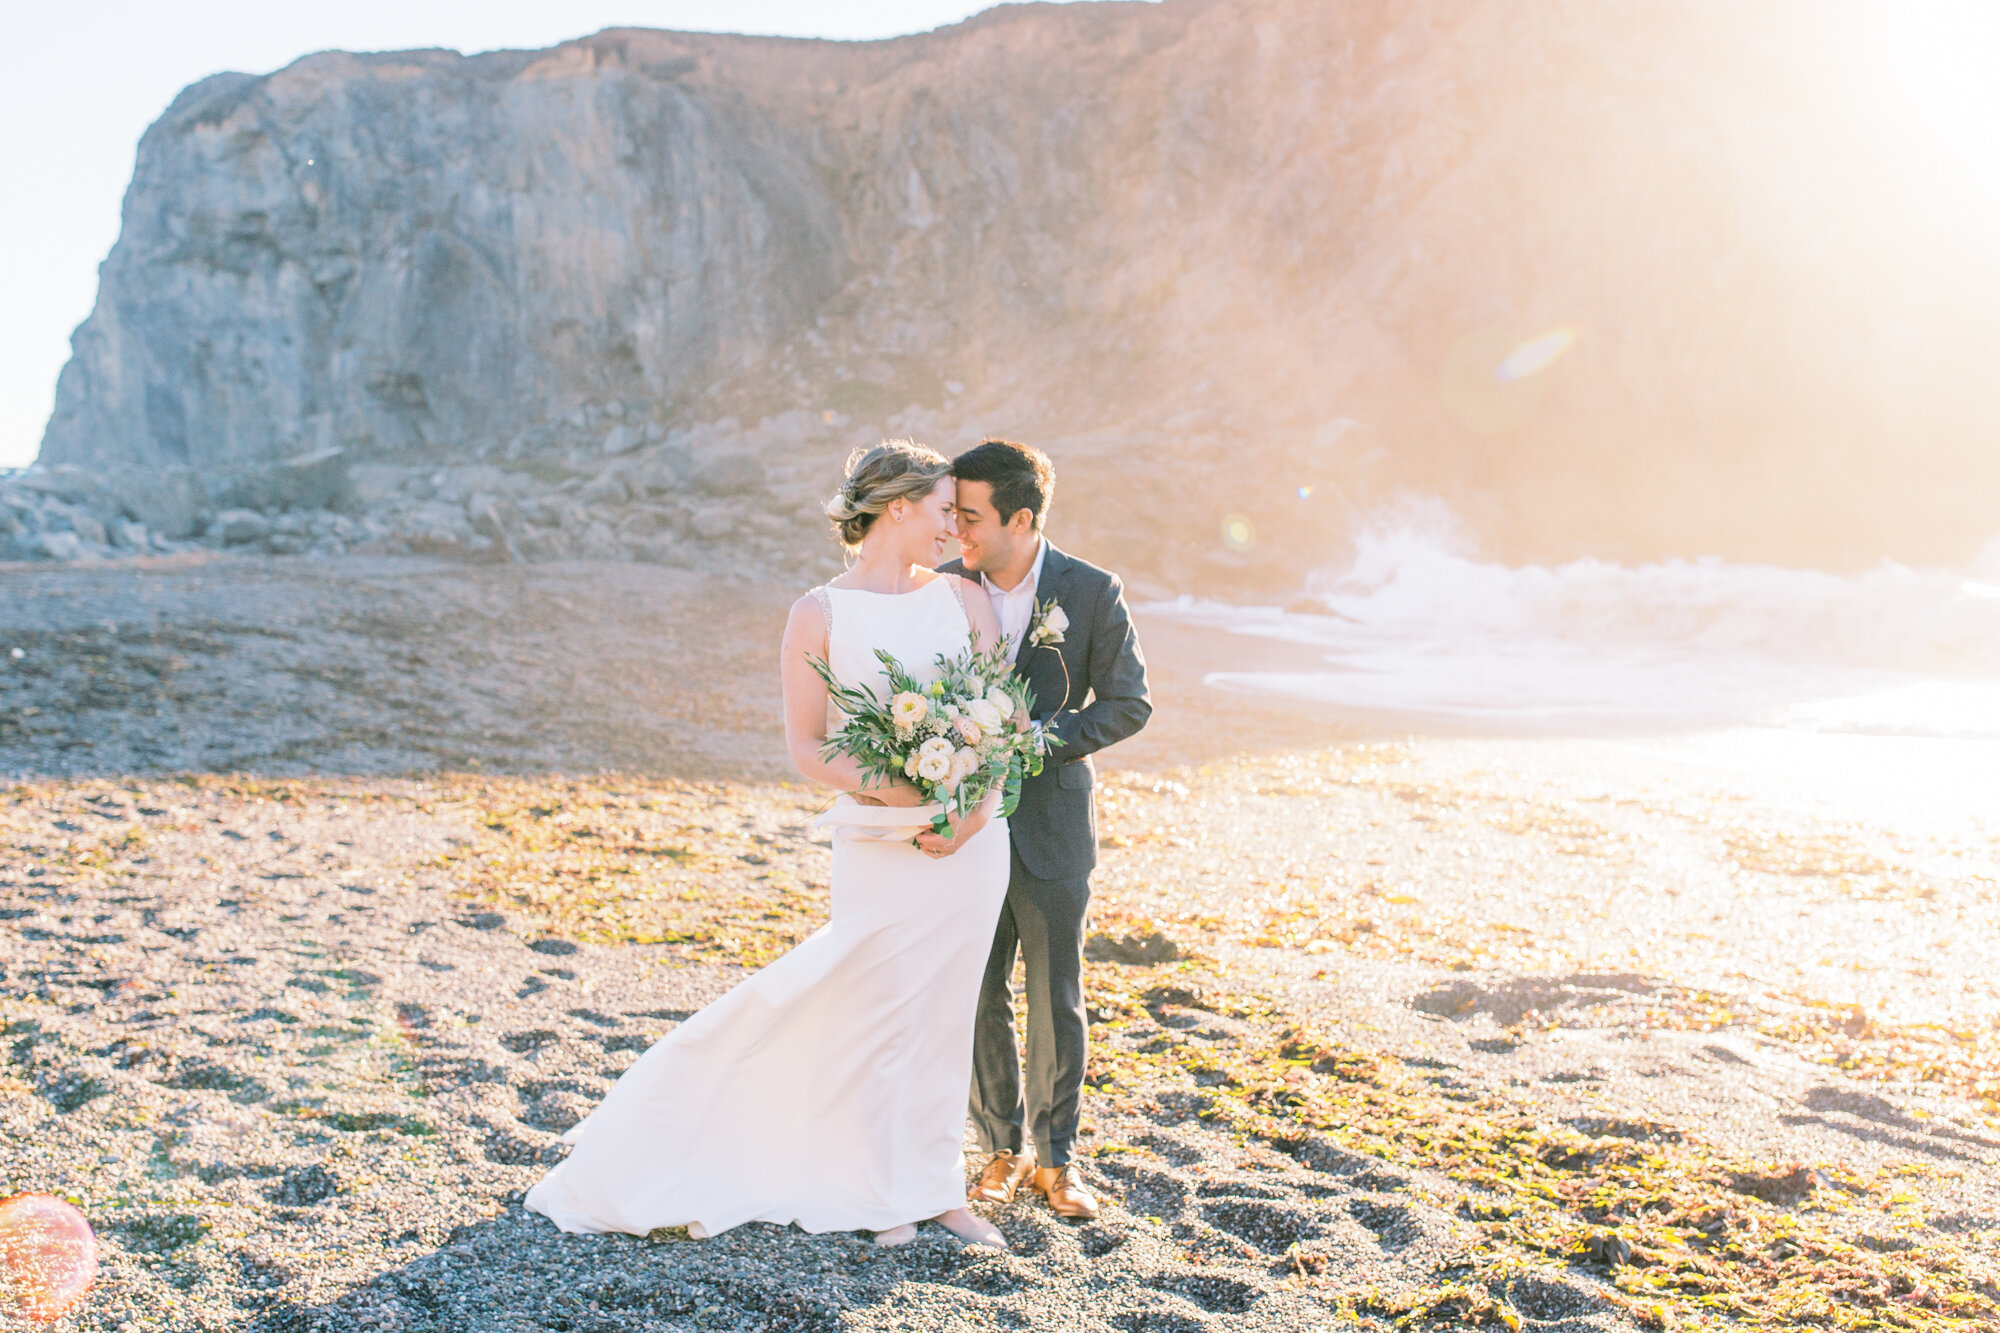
{"type": "Point", "coordinates": [1420, 628]}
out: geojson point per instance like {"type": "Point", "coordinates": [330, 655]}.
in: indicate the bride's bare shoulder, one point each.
{"type": "Point", "coordinates": [813, 611]}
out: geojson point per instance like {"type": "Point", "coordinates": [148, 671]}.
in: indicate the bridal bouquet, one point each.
{"type": "Point", "coordinates": [954, 738]}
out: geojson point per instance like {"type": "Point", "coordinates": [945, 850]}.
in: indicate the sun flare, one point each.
{"type": "Point", "coordinates": [1930, 70]}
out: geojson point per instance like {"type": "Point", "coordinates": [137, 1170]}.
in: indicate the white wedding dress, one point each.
{"type": "Point", "coordinates": [828, 1089]}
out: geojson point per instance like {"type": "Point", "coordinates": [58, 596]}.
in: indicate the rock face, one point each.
{"type": "Point", "coordinates": [1230, 249]}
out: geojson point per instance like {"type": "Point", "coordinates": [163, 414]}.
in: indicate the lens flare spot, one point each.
{"type": "Point", "coordinates": [1535, 355]}
{"type": "Point", "coordinates": [48, 1257]}
{"type": "Point", "coordinates": [1473, 389]}
{"type": "Point", "coordinates": [1305, 492]}
{"type": "Point", "coordinates": [1239, 534]}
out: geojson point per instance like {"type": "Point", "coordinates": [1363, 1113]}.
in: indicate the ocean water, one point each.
{"type": "Point", "coordinates": [1870, 682]}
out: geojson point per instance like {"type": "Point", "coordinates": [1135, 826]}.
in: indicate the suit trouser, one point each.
{"type": "Point", "coordinates": [1043, 920]}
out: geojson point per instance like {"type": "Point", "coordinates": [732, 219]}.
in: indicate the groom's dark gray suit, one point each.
{"type": "Point", "coordinates": [1090, 692]}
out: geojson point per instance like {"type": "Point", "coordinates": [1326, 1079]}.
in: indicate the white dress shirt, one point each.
{"type": "Point", "coordinates": [1016, 606]}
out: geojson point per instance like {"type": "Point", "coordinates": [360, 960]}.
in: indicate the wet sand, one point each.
{"type": "Point", "coordinates": [1575, 1033]}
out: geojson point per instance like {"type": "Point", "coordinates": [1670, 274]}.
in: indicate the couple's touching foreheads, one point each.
{"type": "Point", "coordinates": [831, 1088]}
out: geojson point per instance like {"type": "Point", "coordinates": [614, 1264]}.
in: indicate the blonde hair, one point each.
{"type": "Point", "coordinates": [876, 478]}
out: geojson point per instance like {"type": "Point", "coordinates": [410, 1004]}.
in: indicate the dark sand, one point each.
{"type": "Point", "coordinates": [1449, 1012]}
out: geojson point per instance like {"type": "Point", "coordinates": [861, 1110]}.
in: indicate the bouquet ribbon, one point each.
{"type": "Point", "coordinates": [849, 818]}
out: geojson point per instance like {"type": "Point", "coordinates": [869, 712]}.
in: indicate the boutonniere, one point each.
{"type": "Point", "coordinates": [1048, 624]}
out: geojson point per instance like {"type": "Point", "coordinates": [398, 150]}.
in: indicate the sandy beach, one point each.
{"type": "Point", "coordinates": [332, 892]}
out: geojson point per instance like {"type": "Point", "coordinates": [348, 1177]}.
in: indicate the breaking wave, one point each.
{"type": "Point", "coordinates": [1418, 628]}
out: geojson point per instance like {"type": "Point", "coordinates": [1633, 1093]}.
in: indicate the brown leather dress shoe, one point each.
{"type": "Point", "coordinates": [1063, 1187]}
{"type": "Point", "coordinates": [1003, 1176]}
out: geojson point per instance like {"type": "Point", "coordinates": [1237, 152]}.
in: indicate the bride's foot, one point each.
{"type": "Point", "coordinates": [971, 1228]}
{"type": "Point", "coordinates": [901, 1235]}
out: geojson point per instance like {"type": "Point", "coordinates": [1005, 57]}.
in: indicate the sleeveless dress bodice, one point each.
{"type": "Point", "coordinates": [915, 627]}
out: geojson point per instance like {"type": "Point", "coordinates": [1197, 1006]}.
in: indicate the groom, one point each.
{"type": "Point", "coordinates": [1074, 645]}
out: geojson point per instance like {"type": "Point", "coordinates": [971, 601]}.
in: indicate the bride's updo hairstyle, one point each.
{"type": "Point", "coordinates": [876, 478]}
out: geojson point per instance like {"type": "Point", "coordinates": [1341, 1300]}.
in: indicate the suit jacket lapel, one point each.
{"type": "Point", "coordinates": [1029, 661]}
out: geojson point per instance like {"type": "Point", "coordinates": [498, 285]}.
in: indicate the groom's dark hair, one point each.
{"type": "Point", "coordinates": [1022, 477]}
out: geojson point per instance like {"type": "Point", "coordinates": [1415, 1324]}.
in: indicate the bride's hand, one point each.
{"type": "Point", "coordinates": [899, 793]}
{"type": "Point", "coordinates": [963, 829]}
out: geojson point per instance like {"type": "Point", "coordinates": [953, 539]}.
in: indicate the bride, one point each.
{"type": "Point", "coordinates": [829, 1089]}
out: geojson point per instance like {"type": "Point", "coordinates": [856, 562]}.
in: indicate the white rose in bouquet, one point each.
{"type": "Point", "coordinates": [934, 767]}
{"type": "Point", "coordinates": [964, 764]}
{"type": "Point", "coordinates": [1000, 701]}
{"type": "Point", "coordinates": [986, 715]}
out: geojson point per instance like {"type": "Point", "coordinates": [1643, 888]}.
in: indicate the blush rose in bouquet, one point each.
{"type": "Point", "coordinates": [955, 737]}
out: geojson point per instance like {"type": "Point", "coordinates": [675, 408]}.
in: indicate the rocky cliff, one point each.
{"type": "Point", "coordinates": [1265, 258]}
